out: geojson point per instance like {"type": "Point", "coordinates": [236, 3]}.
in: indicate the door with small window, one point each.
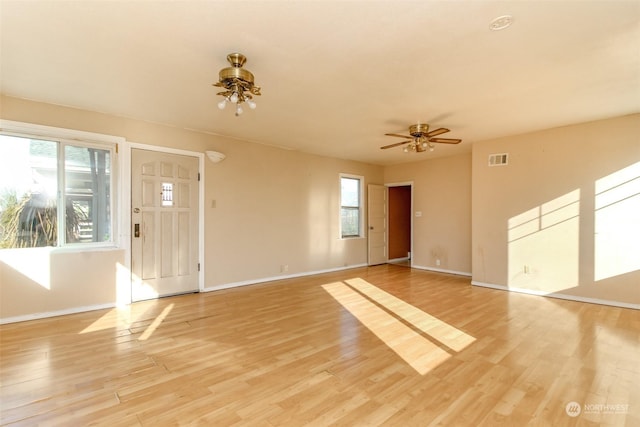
{"type": "Point", "coordinates": [164, 242]}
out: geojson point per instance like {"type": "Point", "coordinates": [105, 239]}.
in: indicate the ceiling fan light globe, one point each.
{"type": "Point", "coordinates": [251, 104]}
{"type": "Point", "coordinates": [222, 104]}
{"type": "Point", "coordinates": [234, 98]}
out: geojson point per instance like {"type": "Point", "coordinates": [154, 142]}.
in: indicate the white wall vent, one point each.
{"type": "Point", "coordinates": [498, 159]}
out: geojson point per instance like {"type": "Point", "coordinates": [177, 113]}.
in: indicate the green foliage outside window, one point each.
{"type": "Point", "coordinates": [32, 221]}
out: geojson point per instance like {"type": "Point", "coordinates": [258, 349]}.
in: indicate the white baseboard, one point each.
{"type": "Point", "coordinates": [271, 279]}
{"type": "Point", "coordinates": [441, 270]}
{"type": "Point", "coordinates": [391, 261]}
{"type": "Point", "coordinates": [74, 310]}
{"type": "Point", "coordinates": [47, 314]}
{"type": "Point", "coordinates": [557, 295]}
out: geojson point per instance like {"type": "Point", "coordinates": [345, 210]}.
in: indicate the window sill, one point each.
{"type": "Point", "coordinates": [69, 249]}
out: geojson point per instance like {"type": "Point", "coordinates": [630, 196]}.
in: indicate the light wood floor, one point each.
{"type": "Point", "coordinates": [385, 345]}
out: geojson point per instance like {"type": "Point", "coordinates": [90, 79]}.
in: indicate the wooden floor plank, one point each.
{"type": "Point", "coordinates": [383, 345]}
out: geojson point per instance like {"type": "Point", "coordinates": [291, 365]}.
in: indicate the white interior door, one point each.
{"type": "Point", "coordinates": [164, 242]}
{"type": "Point", "coordinates": [377, 219]}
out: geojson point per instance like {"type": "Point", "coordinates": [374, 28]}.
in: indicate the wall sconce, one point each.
{"type": "Point", "coordinates": [215, 156]}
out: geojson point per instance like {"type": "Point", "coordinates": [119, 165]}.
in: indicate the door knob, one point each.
{"type": "Point", "coordinates": [371, 227]}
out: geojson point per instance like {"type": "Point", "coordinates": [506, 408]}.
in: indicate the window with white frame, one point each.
{"type": "Point", "coordinates": [350, 205]}
{"type": "Point", "coordinates": [55, 192]}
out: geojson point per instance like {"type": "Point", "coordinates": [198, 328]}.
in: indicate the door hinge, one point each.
{"type": "Point", "coordinates": [116, 148]}
{"type": "Point", "coordinates": [198, 176]}
{"type": "Point", "coordinates": [198, 266]}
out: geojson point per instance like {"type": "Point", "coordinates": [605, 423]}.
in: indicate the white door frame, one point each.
{"type": "Point", "coordinates": [125, 203]}
{"type": "Point", "coordinates": [404, 184]}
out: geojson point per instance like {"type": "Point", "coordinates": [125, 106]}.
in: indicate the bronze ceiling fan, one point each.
{"type": "Point", "coordinates": [420, 139]}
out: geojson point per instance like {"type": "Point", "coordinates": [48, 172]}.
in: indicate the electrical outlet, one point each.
{"type": "Point", "coordinates": [284, 268]}
{"type": "Point", "coordinates": [437, 262]}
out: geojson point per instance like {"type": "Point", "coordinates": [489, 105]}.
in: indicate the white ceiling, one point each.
{"type": "Point", "coordinates": [335, 75]}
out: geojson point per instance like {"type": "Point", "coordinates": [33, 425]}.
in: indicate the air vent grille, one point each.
{"type": "Point", "coordinates": [498, 159]}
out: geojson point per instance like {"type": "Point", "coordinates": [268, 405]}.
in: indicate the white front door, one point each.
{"type": "Point", "coordinates": [377, 219]}
{"type": "Point", "coordinates": [164, 242]}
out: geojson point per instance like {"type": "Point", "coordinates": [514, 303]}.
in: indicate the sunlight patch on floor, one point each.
{"type": "Point", "coordinates": [416, 350]}
{"type": "Point", "coordinates": [446, 334]}
{"type": "Point", "coordinates": [116, 318]}
{"type": "Point", "coordinates": [156, 322]}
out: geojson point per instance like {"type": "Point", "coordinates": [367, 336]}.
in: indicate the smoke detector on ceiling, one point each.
{"type": "Point", "coordinates": [501, 22]}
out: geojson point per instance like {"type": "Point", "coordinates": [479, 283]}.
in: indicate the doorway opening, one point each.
{"type": "Point", "coordinates": [400, 225]}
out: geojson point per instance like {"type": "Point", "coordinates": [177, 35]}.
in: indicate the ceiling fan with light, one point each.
{"type": "Point", "coordinates": [237, 83]}
{"type": "Point", "coordinates": [420, 139]}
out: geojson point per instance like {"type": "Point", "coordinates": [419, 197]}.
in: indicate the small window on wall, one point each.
{"type": "Point", "coordinates": [38, 177]}
{"type": "Point", "coordinates": [350, 206]}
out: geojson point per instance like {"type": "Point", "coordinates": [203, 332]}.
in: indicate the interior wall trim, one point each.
{"type": "Point", "coordinates": [47, 314]}
{"type": "Point", "coordinates": [391, 261]}
{"type": "Point", "coordinates": [442, 270]}
{"type": "Point", "coordinates": [273, 278]}
{"type": "Point", "coordinates": [558, 295]}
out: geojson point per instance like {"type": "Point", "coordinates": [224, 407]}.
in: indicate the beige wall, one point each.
{"type": "Point", "coordinates": [442, 192]}
{"type": "Point", "coordinates": [43, 281]}
{"type": "Point", "coordinates": [563, 216]}
{"type": "Point", "coordinates": [558, 219]}
{"type": "Point", "coordinates": [272, 208]}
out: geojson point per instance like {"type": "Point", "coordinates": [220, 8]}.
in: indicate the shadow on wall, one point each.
{"type": "Point", "coordinates": [33, 264]}
{"type": "Point", "coordinates": [544, 243]}
{"type": "Point", "coordinates": [45, 282]}
{"type": "Point", "coordinates": [546, 239]}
